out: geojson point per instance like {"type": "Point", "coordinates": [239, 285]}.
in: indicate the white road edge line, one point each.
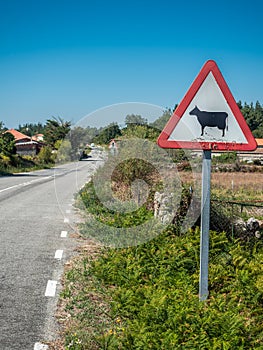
{"type": "Point", "coordinates": [51, 288]}
{"type": "Point", "coordinates": [9, 188]}
{"type": "Point", "coordinates": [39, 346]}
{"type": "Point", "coordinates": [59, 254]}
{"type": "Point", "coordinates": [64, 234]}
{"type": "Point", "coordinates": [25, 183]}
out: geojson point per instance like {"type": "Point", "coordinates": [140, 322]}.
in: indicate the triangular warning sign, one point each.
{"type": "Point", "coordinates": [208, 117]}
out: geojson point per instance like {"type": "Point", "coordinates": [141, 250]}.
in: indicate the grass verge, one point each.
{"type": "Point", "coordinates": [146, 297]}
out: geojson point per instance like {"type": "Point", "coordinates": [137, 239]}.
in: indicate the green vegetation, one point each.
{"type": "Point", "coordinates": [162, 121]}
{"type": "Point", "coordinates": [31, 129]}
{"type": "Point", "coordinates": [10, 162]}
{"type": "Point", "coordinates": [254, 117]}
{"type": "Point", "coordinates": [55, 130]}
{"type": "Point", "coordinates": [71, 142]}
{"type": "Point", "coordinates": [106, 134]}
{"type": "Point", "coordinates": [61, 144]}
{"type": "Point", "coordinates": [110, 217]}
{"type": "Point", "coordinates": [146, 296]}
{"type": "Point", "coordinates": [45, 155]}
{"type": "Point", "coordinates": [7, 145]}
{"type": "Point", "coordinates": [154, 292]}
{"type": "Point", "coordinates": [135, 119]}
{"type": "Point", "coordinates": [20, 164]}
{"type": "Point", "coordinates": [227, 157]}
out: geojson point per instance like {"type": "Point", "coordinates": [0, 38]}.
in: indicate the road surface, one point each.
{"type": "Point", "coordinates": [36, 219]}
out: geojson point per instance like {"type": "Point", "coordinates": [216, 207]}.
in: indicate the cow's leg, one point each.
{"type": "Point", "coordinates": [223, 132]}
{"type": "Point", "coordinates": [202, 131]}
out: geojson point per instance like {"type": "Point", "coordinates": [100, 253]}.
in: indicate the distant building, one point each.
{"type": "Point", "coordinates": [252, 156]}
{"type": "Point", "coordinates": [25, 145]}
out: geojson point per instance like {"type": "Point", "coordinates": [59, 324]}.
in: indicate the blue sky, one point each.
{"type": "Point", "coordinates": [69, 58]}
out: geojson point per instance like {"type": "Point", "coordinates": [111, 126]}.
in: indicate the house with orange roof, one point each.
{"type": "Point", "coordinates": [25, 145]}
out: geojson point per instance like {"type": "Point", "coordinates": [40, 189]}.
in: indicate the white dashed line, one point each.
{"type": "Point", "coordinates": [51, 288]}
{"type": "Point", "coordinates": [64, 234]}
{"type": "Point", "coordinates": [58, 254]}
{"type": "Point", "coordinates": [66, 220]}
{"type": "Point", "coordinates": [68, 211]}
{"type": "Point", "coordinates": [39, 346]}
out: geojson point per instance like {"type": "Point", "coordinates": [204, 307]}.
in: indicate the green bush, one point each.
{"type": "Point", "coordinates": [7, 144]}
{"type": "Point", "coordinates": [226, 157]}
{"type": "Point", "coordinates": [45, 155]}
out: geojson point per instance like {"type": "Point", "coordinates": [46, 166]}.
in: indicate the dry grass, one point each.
{"type": "Point", "coordinates": [236, 181]}
{"type": "Point", "coordinates": [238, 185]}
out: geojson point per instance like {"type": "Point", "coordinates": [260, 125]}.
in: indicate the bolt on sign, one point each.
{"type": "Point", "coordinates": [207, 118]}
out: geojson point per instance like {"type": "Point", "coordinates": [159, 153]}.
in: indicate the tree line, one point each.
{"type": "Point", "coordinates": [254, 117]}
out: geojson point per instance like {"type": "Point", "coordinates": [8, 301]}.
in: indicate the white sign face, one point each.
{"type": "Point", "coordinates": [208, 118]}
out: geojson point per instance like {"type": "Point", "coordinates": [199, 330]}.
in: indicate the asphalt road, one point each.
{"type": "Point", "coordinates": [36, 220]}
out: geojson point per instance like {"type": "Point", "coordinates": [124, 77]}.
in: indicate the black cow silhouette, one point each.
{"type": "Point", "coordinates": [211, 119]}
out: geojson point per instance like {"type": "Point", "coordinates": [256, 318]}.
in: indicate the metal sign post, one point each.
{"type": "Point", "coordinates": [205, 219]}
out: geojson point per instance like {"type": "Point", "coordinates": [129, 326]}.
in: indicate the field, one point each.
{"type": "Point", "coordinates": [238, 184]}
{"type": "Point", "coordinates": [245, 186]}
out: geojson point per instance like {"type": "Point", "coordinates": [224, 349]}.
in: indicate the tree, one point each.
{"type": "Point", "coordinates": [253, 116]}
{"type": "Point", "coordinates": [162, 120]}
{"type": "Point", "coordinates": [107, 134]}
{"type": "Point", "coordinates": [31, 129]}
{"type": "Point", "coordinates": [2, 128]}
{"type": "Point", "coordinates": [56, 129]}
{"type": "Point", "coordinates": [135, 119]}
{"type": "Point", "coordinates": [141, 131]}
{"type": "Point", "coordinates": [7, 144]}
{"type": "Point", "coordinates": [79, 138]}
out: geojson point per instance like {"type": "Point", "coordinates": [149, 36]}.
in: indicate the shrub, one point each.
{"type": "Point", "coordinates": [64, 151]}
{"type": "Point", "coordinates": [226, 157]}
{"type": "Point", "coordinates": [45, 155]}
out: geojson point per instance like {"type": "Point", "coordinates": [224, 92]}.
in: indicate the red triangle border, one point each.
{"type": "Point", "coordinates": [163, 140]}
